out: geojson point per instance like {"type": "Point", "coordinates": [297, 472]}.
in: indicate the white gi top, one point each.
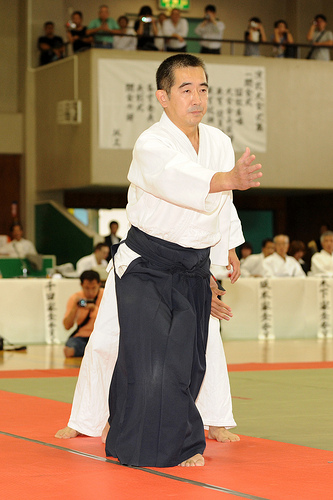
{"type": "Point", "coordinates": [125, 42]}
{"type": "Point", "coordinates": [181, 29]}
{"type": "Point", "coordinates": [18, 249]}
{"type": "Point", "coordinates": [88, 263]}
{"type": "Point", "coordinates": [275, 265]}
{"type": "Point", "coordinates": [253, 265]}
{"type": "Point", "coordinates": [169, 192]}
{"type": "Point", "coordinates": [322, 264]}
{"type": "Point", "coordinates": [210, 31]}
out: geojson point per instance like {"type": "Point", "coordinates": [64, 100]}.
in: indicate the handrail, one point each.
{"type": "Point", "coordinates": [233, 42]}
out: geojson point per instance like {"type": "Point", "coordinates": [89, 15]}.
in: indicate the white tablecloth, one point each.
{"type": "Point", "coordinates": [27, 314]}
{"type": "Point", "coordinates": [279, 307]}
{"type": "Point", "coordinates": [32, 309]}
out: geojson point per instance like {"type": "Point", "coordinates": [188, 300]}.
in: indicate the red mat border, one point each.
{"type": "Point", "coordinates": [237, 367]}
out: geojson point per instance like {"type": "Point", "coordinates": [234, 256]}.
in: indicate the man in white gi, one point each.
{"type": "Point", "coordinates": [279, 264]}
{"type": "Point", "coordinates": [180, 192]}
{"type": "Point", "coordinates": [94, 260]}
{"type": "Point", "coordinates": [19, 247]}
{"type": "Point", "coordinates": [322, 262]}
{"type": "Point", "coordinates": [253, 265]}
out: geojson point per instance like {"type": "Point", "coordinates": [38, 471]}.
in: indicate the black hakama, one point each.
{"type": "Point", "coordinates": [164, 302]}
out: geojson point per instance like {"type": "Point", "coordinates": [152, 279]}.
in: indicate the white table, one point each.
{"type": "Point", "coordinates": [25, 315]}
{"type": "Point", "coordinates": [289, 307]}
{"type": "Point", "coordinates": [32, 309]}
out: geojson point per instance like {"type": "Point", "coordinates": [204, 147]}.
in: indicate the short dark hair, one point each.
{"type": "Point", "coordinates": [48, 23]}
{"type": "Point", "coordinates": [265, 241]}
{"type": "Point", "coordinates": [100, 245]}
{"type": "Point", "coordinates": [276, 24]}
{"type": "Point", "coordinates": [255, 20]}
{"type": "Point", "coordinates": [78, 13]}
{"type": "Point", "coordinates": [145, 11]}
{"type": "Point", "coordinates": [90, 276]}
{"type": "Point", "coordinates": [114, 221]}
{"type": "Point", "coordinates": [210, 8]}
{"type": "Point", "coordinates": [126, 19]}
{"type": "Point", "coordinates": [165, 74]}
{"type": "Point", "coordinates": [321, 16]}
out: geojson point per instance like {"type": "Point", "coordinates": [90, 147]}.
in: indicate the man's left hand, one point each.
{"type": "Point", "coordinates": [234, 262]}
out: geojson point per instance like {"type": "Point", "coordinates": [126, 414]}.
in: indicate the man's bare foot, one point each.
{"type": "Point", "coordinates": [67, 433]}
{"type": "Point", "coordinates": [222, 435]}
{"type": "Point", "coordinates": [105, 432]}
{"type": "Point", "coordinates": [69, 351]}
{"type": "Point", "coordinates": [197, 460]}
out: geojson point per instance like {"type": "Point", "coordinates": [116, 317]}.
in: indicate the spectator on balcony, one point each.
{"type": "Point", "coordinates": [160, 42]}
{"type": "Point", "coordinates": [103, 29]}
{"type": "Point", "coordinates": [322, 262]}
{"type": "Point", "coordinates": [125, 42]}
{"type": "Point", "coordinates": [255, 33]}
{"type": "Point", "coordinates": [281, 265]}
{"type": "Point", "coordinates": [176, 28]}
{"type": "Point", "coordinates": [210, 29]}
{"type": "Point", "coordinates": [146, 29]}
{"type": "Point", "coordinates": [77, 33]}
{"type": "Point", "coordinates": [50, 45]}
{"type": "Point", "coordinates": [283, 37]}
{"type": "Point", "coordinates": [320, 38]}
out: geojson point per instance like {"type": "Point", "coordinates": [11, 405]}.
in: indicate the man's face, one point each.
{"type": "Point", "coordinates": [17, 233]}
{"type": "Point", "coordinates": [49, 30]}
{"type": "Point", "coordinates": [76, 18]}
{"type": "Point", "coordinates": [175, 16]}
{"type": "Point", "coordinates": [103, 13]}
{"type": "Point", "coordinates": [187, 103]}
{"type": "Point", "coordinates": [90, 289]}
{"type": "Point", "coordinates": [268, 249]}
{"type": "Point", "coordinates": [321, 24]}
{"type": "Point", "coordinates": [281, 245]}
{"type": "Point", "coordinates": [102, 253]}
{"type": "Point", "coordinates": [114, 228]}
{"type": "Point", "coordinates": [327, 244]}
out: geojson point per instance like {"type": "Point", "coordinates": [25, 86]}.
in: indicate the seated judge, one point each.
{"type": "Point", "coordinates": [18, 247]}
{"type": "Point", "coordinates": [322, 262]}
{"type": "Point", "coordinates": [253, 265]}
{"type": "Point", "coordinates": [279, 264]}
{"type": "Point", "coordinates": [94, 260]}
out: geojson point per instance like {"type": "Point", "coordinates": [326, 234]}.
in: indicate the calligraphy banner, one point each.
{"type": "Point", "coordinates": [127, 103]}
{"type": "Point", "coordinates": [50, 307]}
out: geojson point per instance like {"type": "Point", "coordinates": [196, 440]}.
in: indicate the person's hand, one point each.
{"type": "Point", "coordinates": [244, 174]}
{"type": "Point", "coordinates": [90, 306]}
{"type": "Point", "coordinates": [234, 262]}
{"type": "Point", "coordinates": [219, 309]}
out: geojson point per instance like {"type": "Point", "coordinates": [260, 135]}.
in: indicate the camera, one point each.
{"type": "Point", "coordinates": [254, 24]}
{"type": "Point", "coordinates": [70, 25]}
{"type": "Point", "coordinates": [84, 302]}
{"type": "Point", "coordinates": [146, 19]}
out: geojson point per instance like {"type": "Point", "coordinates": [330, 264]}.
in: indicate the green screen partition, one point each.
{"type": "Point", "coordinates": [58, 235]}
{"type": "Point", "coordinates": [257, 225]}
{"type": "Point", "coordinates": [13, 268]}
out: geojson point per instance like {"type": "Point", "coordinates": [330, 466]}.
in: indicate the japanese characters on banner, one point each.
{"type": "Point", "coordinates": [127, 103]}
{"type": "Point", "coordinates": [265, 304]}
{"type": "Point", "coordinates": [50, 305]}
{"type": "Point", "coordinates": [325, 308]}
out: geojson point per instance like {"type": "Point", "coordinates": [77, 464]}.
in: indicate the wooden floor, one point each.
{"type": "Point", "coordinates": [247, 351]}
